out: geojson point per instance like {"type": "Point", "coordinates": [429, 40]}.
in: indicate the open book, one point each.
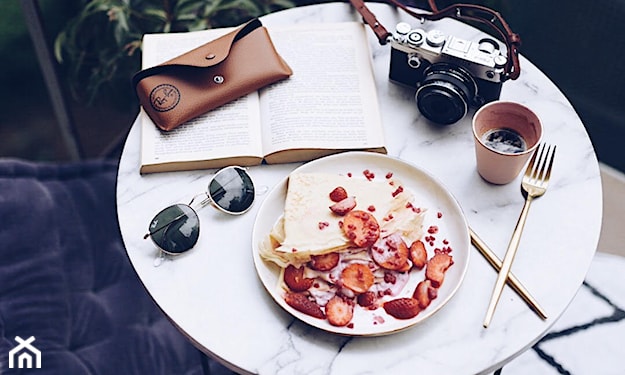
{"type": "Point", "coordinates": [328, 105]}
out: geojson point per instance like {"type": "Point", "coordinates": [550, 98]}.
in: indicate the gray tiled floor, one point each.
{"type": "Point", "coordinates": [588, 337]}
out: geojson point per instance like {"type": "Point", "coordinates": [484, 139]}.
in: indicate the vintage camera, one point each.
{"type": "Point", "coordinates": [450, 74]}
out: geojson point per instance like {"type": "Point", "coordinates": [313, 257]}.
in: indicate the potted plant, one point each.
{"type": "Point", "coordinates": [99, 49]}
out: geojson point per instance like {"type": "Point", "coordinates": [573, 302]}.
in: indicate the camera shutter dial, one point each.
{"type": "Point", "coordinates": [488, 46]}
{"type": "Point", "coordinates": [435, 38]}
{"type": "Point", "coordinates": [403, 28]}
{"type": "Point", "coordinates": [500, 61]}
{"type": "Point", "coordinates": [416, 37]}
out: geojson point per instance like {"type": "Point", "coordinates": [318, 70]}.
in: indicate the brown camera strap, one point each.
{"type": "Point", "coordinates": [468, 12]}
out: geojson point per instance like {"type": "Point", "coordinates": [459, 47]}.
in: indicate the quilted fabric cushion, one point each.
{"type": "Point", "coordinates": [65, 278]}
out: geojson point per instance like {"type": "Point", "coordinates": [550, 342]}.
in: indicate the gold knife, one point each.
{"type": "Point", "coordinates": [512, 280]}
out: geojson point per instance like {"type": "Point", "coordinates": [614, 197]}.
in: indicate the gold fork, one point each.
{"type": "Point", "coordinates": [534, 184]}
{"type": "Point", "coordinates": [513, 282]}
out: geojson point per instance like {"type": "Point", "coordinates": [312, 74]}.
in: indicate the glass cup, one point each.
{"type": "Point", "coordinates": [506, 134]}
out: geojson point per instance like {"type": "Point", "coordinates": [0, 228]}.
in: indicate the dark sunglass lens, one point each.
{"type": "Point", "coordinates": [175, 229]}
{"type": "Point", "coordinates": [232, 190]}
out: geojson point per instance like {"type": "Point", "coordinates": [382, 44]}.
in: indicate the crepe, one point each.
{"type": "Point", "coordinates": [308, 226]}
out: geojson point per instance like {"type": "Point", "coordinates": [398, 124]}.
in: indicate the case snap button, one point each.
{"type": "Point", "coordinates": [218, 79]}
{"type": "Point", "coordinates": [210, 56]}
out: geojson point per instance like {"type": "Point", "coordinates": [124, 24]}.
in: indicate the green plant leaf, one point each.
{"type": "Point", "coordinates": [156, 13]}
{"type": "Point", "coordinates": [98, 47]}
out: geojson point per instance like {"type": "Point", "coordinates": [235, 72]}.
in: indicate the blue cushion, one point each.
{"type": "Point", "coordinates": [66, 280]}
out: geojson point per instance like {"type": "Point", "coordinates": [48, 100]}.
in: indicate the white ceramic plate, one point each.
{"type": "Point", "coordinates": [428, 192]}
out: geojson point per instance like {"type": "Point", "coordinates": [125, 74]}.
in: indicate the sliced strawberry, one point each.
{"type": "Point", "coordinates": [361, 228]}
{"type": "Point", "coordinates": [425, 293]}
{"type": "Point", "coordinates": [407, 266]}
{"type": "Point", "coordinates": [436, 267]}
{"type": "Point", "coordinates": [338, 194]}
{"type": "Point", "coordinates": [343, 206]}
{"type": "Point", "coordinates": [339, 311]}
{"type": "Point", "coordinates": [402, 308]}
{"type": "Point", "coordinates": [418, 254]}
{"type": "Point", "coordinates": [367, 299]}
{"type": "Point", "coordinates": [357, 277]}
{"type": "Point", "coordinates": [302, 304]}
{"type": "Point", "coordinates": [324, 262]}
{"type": "Point", "coordinates": [295, 280]}
{"type": "Point", "coordinates": [391, 252]}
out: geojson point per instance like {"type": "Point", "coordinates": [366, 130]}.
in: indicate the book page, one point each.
{"type": "Point", "coordinates": [231, 130]}
{"type": "Point", "coordinates": [331, 100]}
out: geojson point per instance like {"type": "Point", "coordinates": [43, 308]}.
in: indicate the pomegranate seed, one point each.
{"type": "Point", "coordinates": [397, 191]}
{"type": "Point", "coordinates": [390, 278]}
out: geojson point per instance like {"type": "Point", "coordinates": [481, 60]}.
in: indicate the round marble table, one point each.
{"type": "Point", "coordinates": [214, 296]}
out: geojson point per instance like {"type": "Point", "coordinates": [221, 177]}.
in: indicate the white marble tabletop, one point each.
{"type": "Point", "coordinates": [214, 296]}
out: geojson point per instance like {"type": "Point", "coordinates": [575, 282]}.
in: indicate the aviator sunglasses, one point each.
{"type": "Point", "coordinates": [176, 228]}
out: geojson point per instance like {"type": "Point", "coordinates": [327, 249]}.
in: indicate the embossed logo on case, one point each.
{"type": "Point", "coordinates": [164, 97]}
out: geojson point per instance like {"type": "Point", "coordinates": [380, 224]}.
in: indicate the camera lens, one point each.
{"type": "Point", "coordinates": [445, 93]}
